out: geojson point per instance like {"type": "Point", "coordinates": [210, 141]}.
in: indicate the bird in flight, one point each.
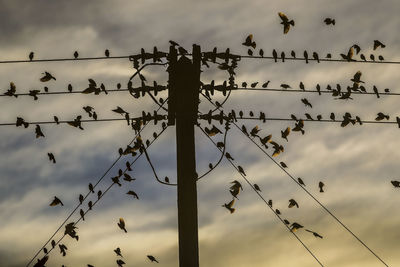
{"type": "Point", "coordinates": [377, 44]}
{"type": "Point", "coordinates": [152, 258]}
{"type": "Point", "coordinates": [118, 252]}
{"type": "Point", "coordinates": [329, 21]}
{"type": "Point", "coordinates": [132, 193]}
{"type": "Point", "coordinates": [249, 41]}
{"type": "Point", "coordinates": [121, 225]}
{"type": "Point", "coordinates": [285, 22]}
{"type": "Point", "coordinates": [56, 201]}
{"type": "Point", "coordinates": [285, 133]}
{"type": "Point", "coordinates": [120, 262]}
{"type": "Point", "coordinates": [293, 203]}
{"type": "Point", "coordinates": [229, 206]}
{"type": "Point", "coordinates": [38, 131]}
{"type": "Point", "coordinates": [315, 234]}
{"type": "Point", "coordinates": [47, 77]}
{"type": "Point", "coordinates": [295, 226]}
{"type": "Point", "coordinates": [51, 157]}
{"type": "Point", "coordinates": [395, 183]}
{"type": "Point", "coordinates": [306, 102]}
{"type": "Point", "coordinates": [213, 131]}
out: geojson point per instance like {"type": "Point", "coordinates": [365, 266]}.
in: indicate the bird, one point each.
{"type": "Point", "coordinates": [249, 41]}
{"type": "Point", "coordinates": [315, 234]}
{"type": "Point", "coordinates": [286, 221]}
{"type": "Point", "coordinates": [69, 88]}
{"type": "Point", "coordinates": [261, 53]}
{"type": "Point", "coordinates": [381, 58]}
{"type": "Point", "coordinates": [329, 21]}
{"type": "Point", "coordinates": [91, 189]}
{"type": "Point", "coordinates": [121, 224]}
{"type": "Point", "coordinates": [107, 53]}
{"type": "Point", "coordinates": [301, 181]}
{"type": "Point", "coordinates": [256, 187]}
{"type": "Point", "coordinates": [357, 78]}
{"type": "Point", "coordinates": [241, 170]}
{"type": "Point", "coordinates": [235, 188]}
{"type": "Point", "coordinates": [306, 102]}
{"type": "Point", "coordinates": [63, 249]}
{"type": "Point", "coordinates": [166, 179]}
{"type": "Point", "coordinates": [315, 56]}
{"type": "Point", "coordinates": [132, 193]}
{"type": "Point", "coordinates": [41, 262]}
{"type": "Point", "coordinates": [285, 22]}
{"type": "Point", "coordinates": [31, 55]}
{"type": "Point", "coordinates": [283, 56]}
{"type": "Point", "coordinates": [301, 85]}
{"type": "Point", "coordinates": [295, 226]}
{"type": "Point", "coordinates": [349, 56]}
{"type": "Point", "coordinates": [56, 201]}
{"type": "Point", "coordinates": [377, 44]}
{"type": "Point", "coordinates": [275, 55]}
{"type": "Point", "coordinates": [128, 178]}
{"type": "Point", "coordinates": [76, 54]}
{"type": "Point", "coordinates": [328, 55]}
{"type": "Point", "coordinates": [283, 164]}
{"type": "Point", "coordinates": [229, 206]}
{"type": "Point", "coordinates": [120, 262]}
{"type": "Point", "coordinates": [265, 85]}
{"type": "Point", "coordinates": [321, 185]}
{"type": "Point", "coordinates": [277, 211]}
{"type": "Point", "coordinates": [363, 57]}
{"type": "Point", "coordinates": [56, 120]}
{"type": "Point", "coordinates": [213, 131]}
{"type": "Point", "coordinates": [90, 205]}
{"type": "Point", "coordinates": [395, 183]}
{"type": "Point", "coordinates": [118, 252]}
{"type": "Point", "coordinates": [119, 110]}
{"type": "Point", "coordinates": [81, 198]}
{"type": "Point", "coordinates": [249, 52]}
{"type": "Point", "coordinates": [99, 193]}
{"type": "Point", "coordinates": [306, 56]}
{"type": "Point", "coordinates": [381, 116]}
{"type": "Point", "coordinates": [285, 86]}
{"type": "Point", "coordinates": [270, 202]}
{"type": "Point", "coordinates": [82, 213]}
{"type": "Point", "coordinates": [152, 258]}
{"type": "Point", "coordinates": [51, 157]}
{"type": "Point", "coordinates": [285, 133]}
{"type": "Point", "coordinates": [293, 54]}
{"type": "Point", "coordinates": [372, 57]}
{"type": "Point", "coordinates": [34, 94]}
{"type": "Point", "coordinates": [47, 77]}
{"type": "Point", "coordinates": [115, 179]}
{"type": "Point", "coordinates": [293, 203]}
{"type": "Point", "coordinates": [255, 131]}
{"type": "Point", "coordinates": [173, 43]}
{"type": "Point", "coordinates": [357, 48]}
{"type": "Point", "coordinates": [376, 91]}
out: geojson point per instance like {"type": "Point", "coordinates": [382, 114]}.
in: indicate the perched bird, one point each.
{"type": "Point", "coordinates": [395, 183]}
{"type": "Point", "coordinates": [256, 187]}
{"type": "Point", "coordinates": [372, 57]}
{"type": "Point", "coordinates": [277, 211]}
{"type": "Point", "coordinates": [76, 54]}
{"type": "Point", "coordinates": [285, 22]}
{"type": "Point", "coordinates": [314, 233]}
{"type": "Point", "coordinates": [120, 262]}
{"type": "Point", "coordinates": [249, 52]}
{"type": "Point", "coordinates": [31, 55]}
{"type": "Point", "coordinates": [228, 156]}
{"type": "Point", "coordinates": [349, 56]}
{"type": "Point", "coordinates": [306, 102]}
{"type": "Point", "coordinates": [166, 179]}
{"type": "Point", "coordinates": [121, 224]}
{"type": "Point", "coordinates": [34, 94]}
{"type": "Point", "coordinates": [81, 198]}
{"type": "Point", "coordinates": [329, 21]}
{"type": "Point", "coordinates": [249, 41]}
{"type": "Point", "coordinates": [283, 164]}
{"type": "Point", "coordinates": [82, 213]}
{"type": "Point", "coordinates": [107, 53]}
{"type": "Point", "coordinates": [132, 193]}
{"type": "Point", "coordinates": [241, 170]}
{"type": "Point", "coordinates": [381, 116]}
{"type": "Point", "coordinates": [55, 202]}
{"type": "Point", "coordinates": [270, 202]}
{"type": "Point", "coordinates": [377, 44]}
{"type": "Point", "coordinates": [229, 206]}
{"type": "Point", "coordinates": [357, 48]}
{"type": "Point", "coordinates": [119, 110]}
{"type": "Point", "coordinates": [381, 58]}
{"type": "Point", "coordinates": [51, 157]}
{"type": "Point", "coordinates": [90, 205]}
{"type": "Point", "coordinates": [363, 57]}
{"type": "Point", "coordinates": [285, 86]}
{"type": "Point", "coordinates": [293, 203]}
{"type": "Point", "coordinates": [295, 226]}
{"type": "Point", "coordinates": [151, 258]}
{"type": "Point", "coordinates": [213, 131]}
{"type": "Point", "coordinates": [286, 221]}
{"type": "Point", "coordinates": [315, 56]}
{"type": "Point", "coordinates": [301, 85]}
{"type": "Point", "coordinates": [357, 78]}
{"type": "Point", "coordinates": [321, 185]}
{"type": "Point", "coordinates": [293, 54]}
{"type": "Point", "coordinates": [283, 56]}
{"type": "Point", "coordinates": [253, 85]}
{"type": "Point", "coordinates": [56, 120]}
{"type": "Point", "coordinates": [261, 53]}
{"type": "Point", "coordinates": [91, 189]}
{"type": "Point", "coordinates": [301, 181]}
{"type": "Point", "coordinates": [305, 56]}
{"type": "Point", "coordinates": [118, 252]}
{"type": "Point", "coordinates": [47, 77]}
{"type": "Point", "coordinates": [332, 116]}
{"type": "Point", "coordinates": [275, 55]}
{"type": "Point", "coordinates": [69, 88]}
{"type": "Point", "coordinates": [376, 91]}
{"type": "Point", "coordinates": [99, 194]}
{"type": "Point", "coordinates": [265, 85]}
{"type": "Point", "coordinates": [328, 55]}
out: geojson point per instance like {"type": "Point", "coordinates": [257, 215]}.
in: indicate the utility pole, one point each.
{"type": "Point", "coordinates": [184, 86]}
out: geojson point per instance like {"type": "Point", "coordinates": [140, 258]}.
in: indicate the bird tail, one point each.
{"type": "Point", "coordinates": [333, 22]}
{"type": "Point", "coordinates": [291, 22]}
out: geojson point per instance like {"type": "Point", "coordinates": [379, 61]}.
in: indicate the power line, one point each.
{"type": "Point", "coordinates": [311, 195]}
{"type": "Point", "coordinates": [94, 186]}
{"type": "Point", "coordinates": [61, 59]}
{"type": "Point", "coordinates": [263, 199]}
{"type": "Point", "coordinates": [63, 92]}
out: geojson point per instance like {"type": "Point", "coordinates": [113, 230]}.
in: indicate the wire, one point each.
{"type": "Point", "coordinates": [263, 199]}
{"type": "Point", "coordinates": [311, 195]}
{"type": "Point", "coordinates": [308, 91]}
{"type": "Point", "coordinates": [64, 92]}
{"type": "Point", "coordinates": [76, 208]}
{"type": "Point", "coordinates": [53, 122]}
{"type": "Point", "coordinates": [94, 203]}
{"type": "Point", "coordinates": [60, 59]}
{"type": "Point", "coordinates": [324, 60]}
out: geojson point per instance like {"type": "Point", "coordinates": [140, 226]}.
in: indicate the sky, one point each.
{"type": "Point", "coordinates": [356, 163]}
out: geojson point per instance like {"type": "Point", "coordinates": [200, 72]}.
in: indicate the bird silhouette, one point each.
{"type": "Point", "coordinates": [81, 198]}
{"type": "Point", "coordinates": [249, 52]}
{"type": "Point", "coordinates": [381, 58]}
{"type": "Point", "coordinates": [99, 194]}
{"type": "Point", "coordinates": [283, 164]}
{"type": "Point", "coordinates": [107, 53]}
{"type": "Point", "coordinates": [47, 77]}
{"type": "Point", "coordinates": [285, 22]}
{"type": "Point", "coordinates": [12, 90]}
{"type": "Point", "coordinates": [376, 91]}
{"type": "Point", "coordinates": [363, 57]}
{"type": "Point", "coordinates": [293, 54]}
{"type": "Point", "coordinates": [91, 188]}
{"type": "Point", "coordinates": [118, 252]}
{"type": "Point", "coordinates": [253, 85]}
{"type": "Point", "coordinates": [275, 55]}
{"type": "Point", "coordinates": [283, 56]}
{"type": "Point", "coordinates": [315, 56]}
{"type": "Point", "coordinates": [261, 53]}
{"type": "Point", "coordinates": [152, 258]}
{"type": "Point", "coordinates": [372, 57]}
{"type": "Point", "coordinates": [166, 179]}
{"type": "Point", "coordinates": [295, 226]}
{"type": "Point", "coordinates": [314, 233]}
{"type": "Point", "coordinates": [41, 262]}
{"type": "Point", "coordinates": [213, 131]}
{"type": "Point", "coordinates": [56, 201]}
{"type": "Point", "coordinates": [305, 56]}
{"type": "Point", "coordinates": [115, 179]}
{"type": "Point", "coordinates": [31, 55]}
{"type": "Point", "coordinates": [328, 55]}
{"type": "Point", "coordinates": [56, 120]}
{"type": "Point", "coordinates": [82, 213]}
{"type": "Point", "coordinates": [301, 181]}
{"type": "Point", "coordinates": [255, 131]}
{"type": "Point", "coordinates": [306, 102]}
{"type": "Point", "coordinates": [357, 78]}
{"type": "Point", "coordinates": [329, 21]}
{"type": "Point", "coordinates": [229, 206]}
{"type": "Point", "coordinates": [90, 205]}
{"type": "Point", "coordinates": [121, 224]}
{"type": "Point", "coordinates": [286, 221]}
{"type": "Point", "coordinates": [285, 133]}
{"type": "Point", "coordinates": [241, 170]}
{"type": "Point", "coordinates": [349, 56]}
{"type": "Point", "coordinates": [228, 156]}
{"type": "Point", "coordinates": [119, 110]}
{"type": "Point", "coordinates": [381, 116]}
{"type": "Point", "coordinates": [270, 203]}
{"type": "Point", "coordinates": [285, 86]}
{"type": "Point", "coordinates": [63, 249]}
{"type": "Point", "coordinates": [256, 187]}
{"type": "Point", "coordinates": [249, 41]}
{"type": "Point", "coordinates": [277, 211]}
{"type": "Point", "coordinates": [301, 85]}
{"type": "Point", "coordinates": [128, 178]}
{"type": "Point", "coordinates": [76, 55]}
{"type": "Point", "coordinates": [377, 44]}
{"type": "Point", "coordinates": [133, 194]}
{"type": "Point", "coordinates": [321, 187]}
{"type": "Point", "coordinates": [293, 203]}
{"type": "Point", "coordinates": [70, 230]}
{"type": "Point", "coordinates": [76, 122]}
{"type": "Point", "coordinates": [265, 85]}
{"type": "Point", "coordinates": [395, 183]}
{"type": "Point", "coordinates": [51, 157]}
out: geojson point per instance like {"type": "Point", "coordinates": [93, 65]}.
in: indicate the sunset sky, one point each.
{"type": "Point", "coordinates": [356, 163]}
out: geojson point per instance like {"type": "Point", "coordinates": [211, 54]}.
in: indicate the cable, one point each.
{"type": "Point", "coordinates": [60, 59]}
{"type": "Point", "coordinates": [53, 122]}
{"type": "Point", "coordinates": [94, 203]}
{"type": "Point", "coordinates": [263, 199]}
{"type": "Point", "coordinates": [64, 92]}
{"type": "Point", "coordinates": [311, 195]}
{"type": "Point", "coordinates": [76, 208]}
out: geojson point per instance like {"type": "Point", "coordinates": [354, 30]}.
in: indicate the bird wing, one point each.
{"type": "Point", "coordinates": [283, 17]}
